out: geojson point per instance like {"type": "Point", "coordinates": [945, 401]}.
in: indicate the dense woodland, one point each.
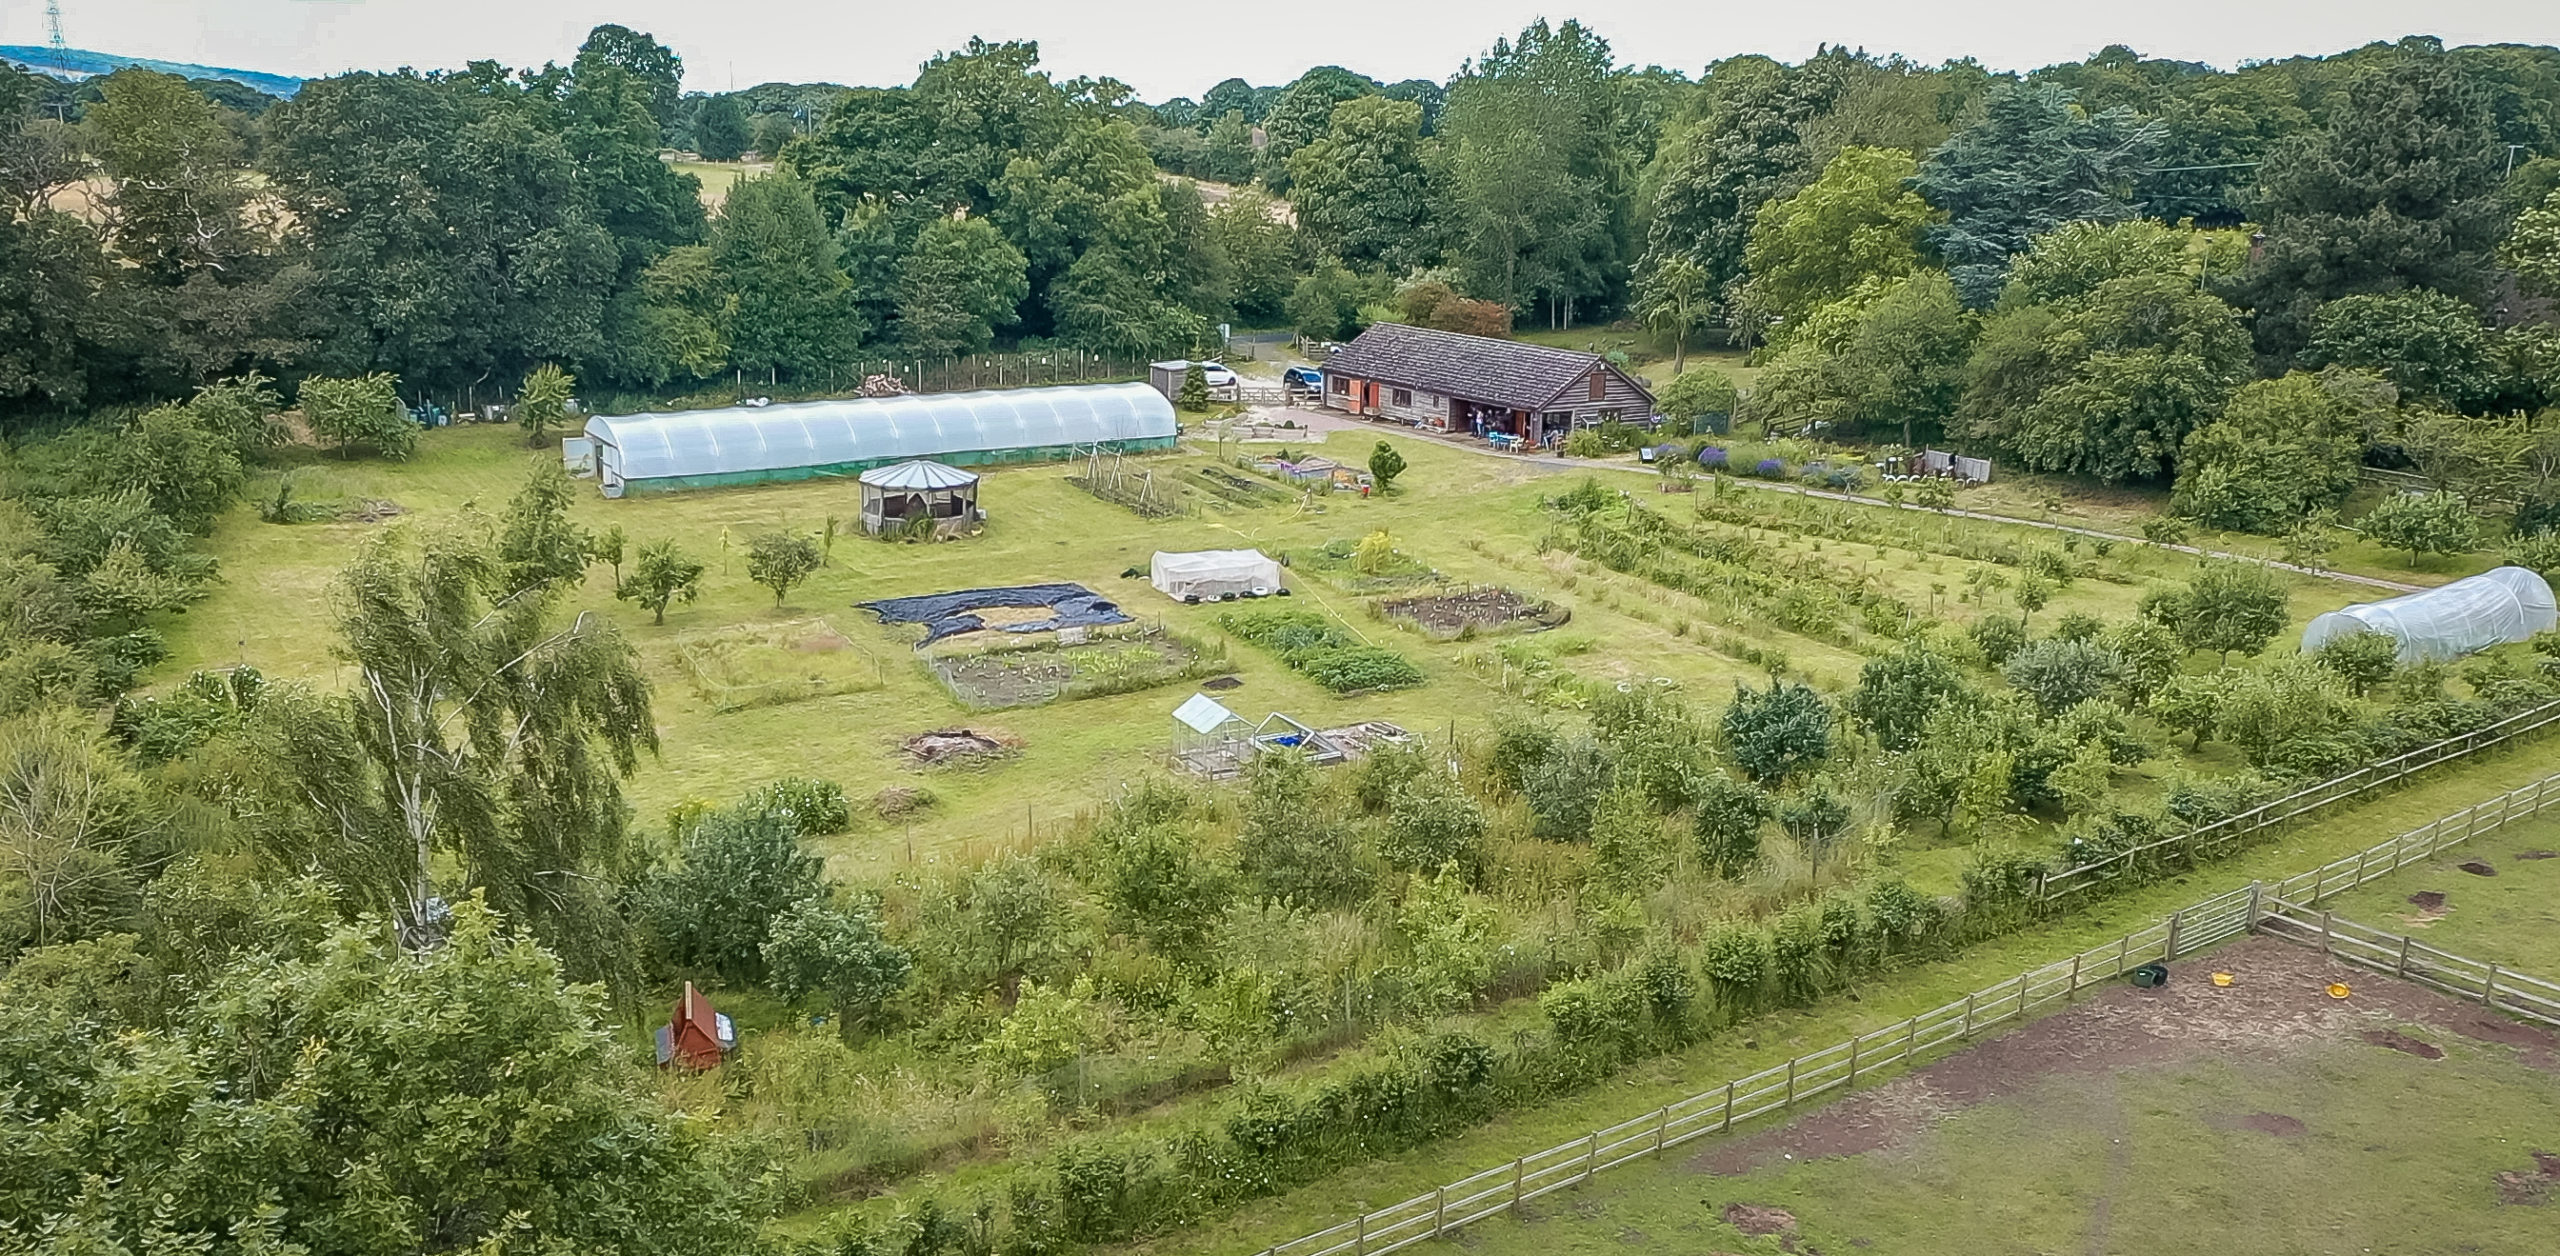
{"type": "Point", "coordinates": [238, 917]}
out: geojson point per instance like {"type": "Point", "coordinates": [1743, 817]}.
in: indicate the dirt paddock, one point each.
{"type": "Point", "coordinates": [2277, 1003]}
{"type": "Point", "coordinates": [2264, 1116]}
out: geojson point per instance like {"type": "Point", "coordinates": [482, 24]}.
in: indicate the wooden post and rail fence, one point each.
{"type": "Point", "coordinates": [2286, 910]}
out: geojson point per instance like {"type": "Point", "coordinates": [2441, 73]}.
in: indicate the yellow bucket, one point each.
{"type": "Point", "coordinates": [2338, 990]}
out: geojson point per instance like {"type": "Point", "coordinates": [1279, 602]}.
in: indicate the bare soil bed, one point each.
{"type": "Point", "coordinates": [1482, 610]}
{"type": "Point", "coordinates": [956, 747]}
{"type": "Point", "coordinates": [1010, 678]}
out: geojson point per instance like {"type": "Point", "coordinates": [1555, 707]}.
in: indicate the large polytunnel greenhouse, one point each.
{"type": "Point", "coordinates": [2493, 608]}
{"type": "Point", "coordinates": [806, 440]}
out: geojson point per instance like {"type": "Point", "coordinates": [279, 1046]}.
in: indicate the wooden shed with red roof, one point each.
{"type": "Point", "coordinates": [699, 1036]}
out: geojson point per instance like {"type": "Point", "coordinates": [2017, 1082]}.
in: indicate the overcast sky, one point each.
{"type": "Point", "coordinates": [1179, 47]}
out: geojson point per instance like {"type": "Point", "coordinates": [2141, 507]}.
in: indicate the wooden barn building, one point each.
{"type": "Point", "coordinates": [1451, 382]}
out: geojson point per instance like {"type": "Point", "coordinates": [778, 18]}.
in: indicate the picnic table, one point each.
{"type": "Point", "coordinates": [1502, 442]}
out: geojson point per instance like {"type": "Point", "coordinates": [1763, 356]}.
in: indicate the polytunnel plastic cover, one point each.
{"type": "Point", "coordinates": [2493, 608]}
{"type": "Point", "coordinates": [877, 430]}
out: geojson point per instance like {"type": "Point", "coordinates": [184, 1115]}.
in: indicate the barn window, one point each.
{"type": "Point", "coordinates": [1599, 385]}
{"type": "Point", "coordinates": [1612, 415]}
{"type": "Point", "coordinates": [1341, 385]}
{"type": "Point", "coordinates": [1404, 396]}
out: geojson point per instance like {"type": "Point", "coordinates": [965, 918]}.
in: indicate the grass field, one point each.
{"type": "Point", "coordinates": [1473, 518]}
{"type": "Point", "coordinates": [2510, 918]}
{"type": "Point", "coordinates": [2265, 1117]}
{"type": "Point", "coordinates": [717, 176]}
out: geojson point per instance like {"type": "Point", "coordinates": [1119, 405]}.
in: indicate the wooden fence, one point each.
{"type": "Point", "coordinates": [1775, 1089]}
{"type": "Point", "coordinates": [2281, 911]}
{"type": "Point", "coordinates": [2490, 986]}
{"type": "Point", "coordinates": [2424, 842]}
{"type": "Point", "coordinates": [2206, 841]}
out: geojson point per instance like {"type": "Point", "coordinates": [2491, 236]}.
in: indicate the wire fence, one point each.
{"type": "Point", "coordinates": [2209, 840]}
{"type": "Point", "coordinates": [2285, 910]}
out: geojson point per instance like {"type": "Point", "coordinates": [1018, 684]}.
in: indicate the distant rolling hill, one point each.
{"type": "Point", "coordinates": [80, 63]}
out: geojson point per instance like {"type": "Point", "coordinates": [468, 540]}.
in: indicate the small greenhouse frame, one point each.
{"type": "Point", "coordinates": [2497, 607]}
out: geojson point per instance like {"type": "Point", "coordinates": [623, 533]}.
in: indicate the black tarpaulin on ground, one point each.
{"type": "Point", "coordinates": [950, 614]}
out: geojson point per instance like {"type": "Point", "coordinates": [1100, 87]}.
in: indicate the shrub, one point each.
{"type": "Point", "coordinates": [1433, 824]}
{"type": "Point", "coordinates": [1727, 821]}
{"type": "Point", "coordinates": [714, 905]}
{"type": "Point", "coordinates": [1902, 915]}
{"type": "Point", "coordinates": [1897, 692]}
{"type": "Point", "coordinates": [1520, 743]}
{"type": "Point", "coordinates": [2198, 801]}
{"type": "Point", "coordinates": [1770, 469]}
{"type": "Point", "coordinates": [2079, 626]}
{"type": "Point", "coordinates": [1563, 787]}
{"type": "Point", "coordinates": [2000, 885]}
{"type": "Point", "coordinates": [1048, 1027]}
{"type": "Point", "coordinates": [1998, 636]}
{"type": "Point", "coordinates": [2059, 674]}
{"type": "Point", "coordinates": [1712, 457]}
{"type": "Point", "coordinates": [1797, 962]}
{"type": "Point", "coordinates": [1448, 934]}
{"type": "Point", "coordinates": [1378, 780]}
{"type": "Point", "coordinates": [2361, 659]}
{"type": "Point", "coordinates": [1736, 960]}
{"type": "Point", "coordinates": [2538, 550]}
{"type": "Point", "coordinates": [1771, 732]}
{"type": "Point", "coordinates": [814, 808]}
{"type": "Point", "coordinates": [1292, 848]}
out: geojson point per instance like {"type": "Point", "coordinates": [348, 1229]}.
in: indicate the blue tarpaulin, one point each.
{"type": "Point", "coordinates": [950, 614]}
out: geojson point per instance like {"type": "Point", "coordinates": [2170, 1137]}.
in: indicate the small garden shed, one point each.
{"type": "Point", "coordinates": [698, 1036]}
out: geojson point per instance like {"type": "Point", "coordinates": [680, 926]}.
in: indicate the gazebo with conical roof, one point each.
{"type": "Point", "coordinates": [897, 496]}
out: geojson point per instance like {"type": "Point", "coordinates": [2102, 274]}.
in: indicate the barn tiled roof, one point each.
{"type": "Point", "coordinates": [1508, 373]}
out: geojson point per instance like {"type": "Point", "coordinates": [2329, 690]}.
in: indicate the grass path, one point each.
{"type": "Point", "coordinates": [1772, 1039]}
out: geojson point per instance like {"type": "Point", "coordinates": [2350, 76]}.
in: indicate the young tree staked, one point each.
{"type": "Point", "coordinates": [1385, 464]}
{"type": "Point", "coordinates": [663, 574]}
{"type": "Point", "coordinates": [544, 404]}
{"type": "Point", "coordinates": [780, 561]}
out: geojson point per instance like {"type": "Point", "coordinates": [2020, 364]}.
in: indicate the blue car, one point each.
{"type": "Point", "coordinates": [1306, 377]}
